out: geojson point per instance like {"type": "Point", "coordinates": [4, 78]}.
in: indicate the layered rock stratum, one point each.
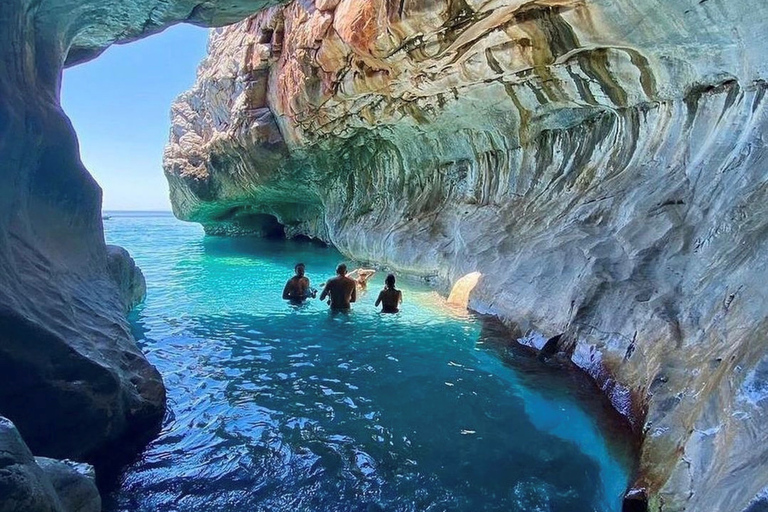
{"type": "Point", "coordinates": [72, 378]}
{"type": "Point", "coordinates": [602, 163]}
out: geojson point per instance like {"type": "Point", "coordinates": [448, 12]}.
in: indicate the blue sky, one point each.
{"type": "Point", "coordinates": [119, 104]}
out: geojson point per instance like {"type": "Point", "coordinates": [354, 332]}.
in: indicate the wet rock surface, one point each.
{"type": "Point", "coordinates": [602, 165]}
{"type": "Point", "coordinates": [23, 484]}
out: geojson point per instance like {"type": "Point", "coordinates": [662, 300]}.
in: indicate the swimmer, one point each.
{"type": "Point", "coordinates": [341, 289]}
{"type": "Point", "coordinates": [361, 276]}
{"type": "Point", "coordinates": [390, 297]}
{"type": "Point", "coordinates": [297, 288]}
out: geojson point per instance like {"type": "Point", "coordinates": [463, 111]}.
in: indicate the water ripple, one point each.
{"type": "Point", "coordinates": [279, 408]}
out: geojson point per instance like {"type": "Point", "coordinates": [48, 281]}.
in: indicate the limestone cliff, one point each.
{"type": "Point", "coordinates": [72, 379]}
{"type": "Point", "coordinates": [601, 162]}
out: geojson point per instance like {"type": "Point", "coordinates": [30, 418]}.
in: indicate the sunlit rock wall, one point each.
{"type": "Point", "coordinates": [71, 376]}
{"type": "Point", "coordinates": [602, 163]}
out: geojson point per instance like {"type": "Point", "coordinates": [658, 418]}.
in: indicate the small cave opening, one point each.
{"type": "Point", "coordinates": [266, 226]}
{"type": "Point", "coordinates": [266, 36]}
{"type": "Point", "coordinates": [636, 500]}
{"type": "Point", "coordinates": [241, 221]}
{"type": "Point", "coordinates": [462, 289]}
{"type": "Point", "coordinates": [309, 240]}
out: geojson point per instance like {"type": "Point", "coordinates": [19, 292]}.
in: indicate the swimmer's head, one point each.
{"type": "Point", "coordinates": [390, 281]}
{"type": "Point", "coordinates": [299, 268]}
{"type": "Point", "coordinates": [341, 270]}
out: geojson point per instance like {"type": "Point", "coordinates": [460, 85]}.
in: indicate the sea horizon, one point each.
{"type": "Point", "coordinates": [137, 211]}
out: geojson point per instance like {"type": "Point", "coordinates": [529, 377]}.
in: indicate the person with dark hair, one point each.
{"type": "Point", "coordinates": [390, 297]}
{"type": "Point", "coordinates": [341, 289]}
{"type": "Point", "coordinates": [297, 288]}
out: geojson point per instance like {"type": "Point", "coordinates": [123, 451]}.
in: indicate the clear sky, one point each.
{"type": "Point", "coordinates": [119, 104]}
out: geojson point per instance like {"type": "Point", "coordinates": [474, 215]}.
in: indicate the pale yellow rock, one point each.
{"type": "Point", "coordinates": [462, 289]}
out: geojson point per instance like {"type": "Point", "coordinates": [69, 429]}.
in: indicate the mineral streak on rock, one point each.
{"type": "Point", "coordinates": [602, 163]}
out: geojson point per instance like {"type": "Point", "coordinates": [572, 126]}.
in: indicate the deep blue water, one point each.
{"type": "Point", "coordinates": [274, 407]}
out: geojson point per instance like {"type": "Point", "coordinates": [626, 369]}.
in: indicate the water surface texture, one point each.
{"type": "Point", "coordinates": [274, 407]}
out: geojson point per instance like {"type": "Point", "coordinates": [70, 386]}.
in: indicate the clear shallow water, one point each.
{"type": "Point", "coordinates": [280, 408]}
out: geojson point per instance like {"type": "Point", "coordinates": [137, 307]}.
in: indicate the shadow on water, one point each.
{"type": "Point", "coordinates": [280, 251]}
{"type": "Point", "coordinates": [561, 382]}
{"type": "Point", "coordinates": [309, 411]}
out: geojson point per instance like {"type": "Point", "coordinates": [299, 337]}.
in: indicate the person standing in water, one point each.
{"type": "Point", "coordinates": [390, 297]}
{"type": "Point", "coordinates": [341, 289]}
{"type": "Point", "coordinates": [361, 276]}
{"type": "Point", "coordinates": [297, 288]}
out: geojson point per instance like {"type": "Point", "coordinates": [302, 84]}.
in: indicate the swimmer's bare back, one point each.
{"type": "Point", "coordinates": [342, 290]}
{"type": "Point", "coordinates": [390, 299]}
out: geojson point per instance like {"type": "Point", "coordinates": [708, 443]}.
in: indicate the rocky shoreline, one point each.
{"type": "Point", "coordinates": [39, 484]}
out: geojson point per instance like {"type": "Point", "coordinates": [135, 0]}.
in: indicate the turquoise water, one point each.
{"type": "Point", "coordinates": [275, 407]}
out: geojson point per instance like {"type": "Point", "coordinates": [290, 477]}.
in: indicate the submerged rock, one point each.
{"type": "Point", "coordinates": [601, 164]}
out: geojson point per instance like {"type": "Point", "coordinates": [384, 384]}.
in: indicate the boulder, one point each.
{"type": "Point", "coordinates": [38, 484]}
{"type": "Point", "coordinates": [74, 483]}
{"type": "Point", "coordinates": [127, 276]}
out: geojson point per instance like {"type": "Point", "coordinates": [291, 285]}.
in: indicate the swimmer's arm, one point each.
{"type": "Point", "coordinates": [354, 294]}
{"type": "Point", "coordinates": [378, 300]}
{"type": "Point", "coordinates": [399, 297]}
{"type": "Point", "coordinates": [286, 290]}
{"type": "Point", "coordinates": [325, 292]}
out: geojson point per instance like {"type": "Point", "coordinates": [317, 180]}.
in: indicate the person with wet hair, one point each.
{"type": "Point", "coordinates": [341, 289]}
{"type": "Point", "coordinates": [297, 289]}
{"type": "Point", "coordinates": [390, 297]}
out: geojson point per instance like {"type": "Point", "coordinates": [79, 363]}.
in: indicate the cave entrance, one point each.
{"type": "Point", "coordinates": [119, 105]}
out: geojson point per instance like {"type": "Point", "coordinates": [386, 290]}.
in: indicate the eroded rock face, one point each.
{"type": "Point", "coordinates": [29, 484]}
{"type": "Point", "coordinates": [23, 485]}
{"type": "Point", "coordinates": [74, 483]}
{"type": "Point", "coordinates": [127, 276]}
{"type": "Point", "coordinates": [602, 163]}
{"type": "Point", "coordinates": [73, 380]}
